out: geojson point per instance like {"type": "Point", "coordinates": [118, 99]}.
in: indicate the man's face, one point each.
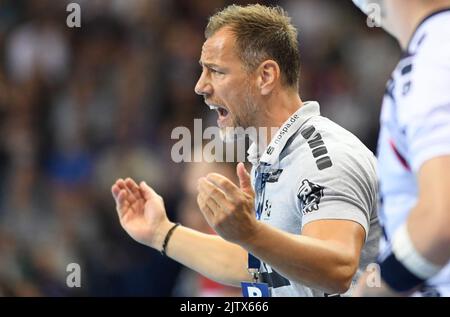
{"type": "Point", "coordinates": [225, 84]}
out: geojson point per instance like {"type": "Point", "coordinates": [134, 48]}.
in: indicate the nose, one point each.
{"type": "Point", "coordinates": [203, 87]}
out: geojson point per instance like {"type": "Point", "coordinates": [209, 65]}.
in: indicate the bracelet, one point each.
{"type": "Point", "coordinates": [167, 238]}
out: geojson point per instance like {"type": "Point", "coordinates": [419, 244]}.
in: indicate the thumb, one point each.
{"type": "Point", "coordinates": [244, 179]}
{"type": "Point", "coordinates": [147, 191]}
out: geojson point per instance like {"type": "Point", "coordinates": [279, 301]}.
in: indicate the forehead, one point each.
{"type": "Point", "coordinates": [220, 47]}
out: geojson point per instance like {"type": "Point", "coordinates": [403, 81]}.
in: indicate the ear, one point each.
{"type": "Point", "coordinates": [268, 75]}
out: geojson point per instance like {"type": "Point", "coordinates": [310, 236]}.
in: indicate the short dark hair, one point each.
{"type": "Point", "coordinates": [261, 33]}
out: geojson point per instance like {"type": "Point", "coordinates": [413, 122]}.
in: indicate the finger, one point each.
{"type": "Point", "coordinates": [227, 186]}
{"type": "Point", "coordinates": [133, 187]}
{"type": "Point", "coordinates": [214, 207]}
{"type": "Point", "coordinates": [244, 179]}
{"type": "Point", "coordinates": [122, 203]}
{"type": "Point", "coordinates": [210, 190]}
{"type": "Point", "coordinates": [115, 190]}
{"type": "Point", "coordinates": [120, 182]}
{"type": "Point", "coordinates": [123, 186]}
{"type": "Point", "coordinates": [123, 198]}
{"type": "Point", "coordinates": [207, 212]}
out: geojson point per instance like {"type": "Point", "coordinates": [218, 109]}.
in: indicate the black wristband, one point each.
{"type": "Point", "coordinates": [397, 276]}
{"type": "Point", "coordinates": [167, 238]}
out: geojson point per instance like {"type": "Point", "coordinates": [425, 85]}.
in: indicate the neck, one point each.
{"type": "Point", "coordinates": [409, 19]}
{"type": "Point", "coordinates": [279, 107]}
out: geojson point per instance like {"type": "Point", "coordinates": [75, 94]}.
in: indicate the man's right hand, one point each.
{"type": "Point", "coordinates": [141, 212]}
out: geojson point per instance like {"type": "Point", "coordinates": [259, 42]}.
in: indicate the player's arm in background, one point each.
{"type": "Point", "coordinates": [429, 222]}
{"type": "Point", "coordinates": [428, 131]}
{"type": "Point", "coordinates": [143, 216]}
{"type": "Point", "coordinates": [427, 126]}
{"type": "Point", "coordinates": [420, 247]}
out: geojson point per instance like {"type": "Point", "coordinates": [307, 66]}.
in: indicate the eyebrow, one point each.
{"type": "Point", "coordinates": [208, 65]}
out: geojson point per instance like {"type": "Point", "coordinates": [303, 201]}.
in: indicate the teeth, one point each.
{"type": "Point", "coordinates": [213, 107]}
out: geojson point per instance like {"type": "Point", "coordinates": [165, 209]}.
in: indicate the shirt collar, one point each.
{"type": "Point", "coordinates": [271, 153]}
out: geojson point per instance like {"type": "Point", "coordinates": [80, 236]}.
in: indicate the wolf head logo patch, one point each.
{"type": "Point", "coordinates": [310, 195]}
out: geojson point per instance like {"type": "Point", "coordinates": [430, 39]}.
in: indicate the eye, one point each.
{"type": "Point", "coordinates": [215, 71]}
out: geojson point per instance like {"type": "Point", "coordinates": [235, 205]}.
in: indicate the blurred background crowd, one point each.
{"type": "Point", "coordinates": [81, 107]}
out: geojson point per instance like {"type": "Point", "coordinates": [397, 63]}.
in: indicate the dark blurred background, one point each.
{"type": "Point", "coordinates": [80, 107]}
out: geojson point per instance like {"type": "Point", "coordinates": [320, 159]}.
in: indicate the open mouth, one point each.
{"type": "Point", "coordinates": [222, 112]}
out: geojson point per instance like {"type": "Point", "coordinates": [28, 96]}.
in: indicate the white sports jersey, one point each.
{"type": "Point", "coordinates": [314, 169]}
{"type": "Point", "coordinates": [415, 127]}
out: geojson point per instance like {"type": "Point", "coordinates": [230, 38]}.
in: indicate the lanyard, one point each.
{"type": "Point", "coordinates": [254, 263]}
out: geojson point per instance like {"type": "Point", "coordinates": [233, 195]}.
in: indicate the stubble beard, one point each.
{"type": "Point", "coordinates": [242, 121]}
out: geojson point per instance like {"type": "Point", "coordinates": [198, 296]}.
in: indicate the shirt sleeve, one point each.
{"type": "Point", "coordinates": [347, 190]}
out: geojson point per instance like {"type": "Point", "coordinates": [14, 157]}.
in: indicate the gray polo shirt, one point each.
{"type": "Point", "coordinates": [314, 169]}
